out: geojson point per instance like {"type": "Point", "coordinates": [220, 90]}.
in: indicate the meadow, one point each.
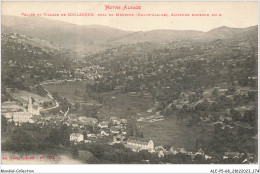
{"type": "Point", "coordinates": [170, 131]}
{"type": "Point", "coordinates": [176, 133]}
{"type": "Point", "coordinates": [70, 90]}
{"type": "Point", "coordinates": [23, 96]}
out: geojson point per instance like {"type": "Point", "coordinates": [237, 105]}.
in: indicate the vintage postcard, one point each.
{"type": "Point", "coordinates": [129, 83]}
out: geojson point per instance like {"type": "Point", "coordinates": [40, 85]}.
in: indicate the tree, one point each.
{"type": "Point", "coordinates": [98, 150]}
{"type": "Point", "coordinates": [235, 114]}
{"type": "Point", "coordinates": [85, 135]}
{"type": "Point", "coordinates": [33, 100]}
{"type": "Point", "coordinates": [185, 108]}
{"type": "Point", "coordinates": [3, 124]}
{"type": "Point", "coordinates": [65, 135]}
{"type": "Point", "coordinates": [231, 91]}
{"type": "Point", "coordinates": [74, 151]}
{"type": "Point", "coordinates": [20, 141]}
{"type": "Point", "coordinates": [173, 106]}
{"type": "Point", "coordinates": [86, 96]}
{"type": "Point", "coordinates": [199, 159]}
{"type": "Point", "coordinates": [215, 107]}
{"type": "Point", "coordinates": [144, 155]}
{"type": "Point", "coordinates": [170, 159]}
{"type": "Point", "coordinates": [250, 116]}
{"type": "Point", "coordinates": [167, 146]}
{"type": "Point", "coordinates": [130, 127]}
{"type": "Point", "coordinates": [77, 105]}
{"type": "Point", "coordinates": [183, 158]}
{"type": "Point", "coordinates": [204, 106]}
{"type": "Point", "coordinates": [45, 104]}
{"type": "Point", "coordinates": [168, 111]}
{"type": "Point", "coordinates": [215, 93]}
{"type": "Point", "coordinates": [76, 91]}
{"type": "Point", "coordinates": [199, 92]}
{"type": "Point", "coordinates": [54, 137]}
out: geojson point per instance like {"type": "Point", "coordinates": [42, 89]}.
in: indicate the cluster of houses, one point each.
{"type": "Point", "coordinates": [91, 72]}
{"type": "Point", "coordinates": [118, 134]}
{"type": "Point", "coordinates": [106, 128]}
{"type": "Point", "coordinates": [114, 130]}
{"type": "Point", "coordinates": [227, 157]}
{"type": "Point", "coordinates": [137, 144]}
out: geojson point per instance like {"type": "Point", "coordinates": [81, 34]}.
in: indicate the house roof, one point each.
{"type": "Point", "coordinates": [232, 154]}
{"type": "Point", "coordinates": [76, 134]}
{"type": "Point", "coordinates": [182, 150]}
{"type": "Point", "coordinates": [168, 152]}
{"type": "Point", "coordinates": [138, 140]}
{"type": "Point", "coordinates": [36, 118]}
{"type": "Point", "coordinates": [255, 137]}
{"type": "Point", "coordinates": [103, 124]}
{"type": "Point", "coordinates": [200, 151]}
{"type": "Point", "coordinates": [243, 125]}
{"type": "Point", "coordinates": [172, 149]}
{"type": "Point", "coordinates": [72, 115]}
{"type": "Point", "coordinates": [132, 147]}
{"type": "Point", "coordinates": [159, 148]}
{"type": "Point", "coordinates": [218, 122]}
{"type": "Point", "coordinates": [114, 129]}
{"type": "Point", "coordinates": [104, 132]}
{"type": "Point", "coordinates": [114, 118]}
{"type": "Point", "coordinates": [89, 119]}
{"type": "Point", "coordinates": [21, 114]}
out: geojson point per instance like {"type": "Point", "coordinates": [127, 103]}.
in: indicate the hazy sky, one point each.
{"type": "Point", "coordinates": [234, 14]}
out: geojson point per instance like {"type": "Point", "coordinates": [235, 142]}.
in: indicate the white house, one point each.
{"type": "Point", "coordinates": [91, 135]}
{"type": "Point", "coordinates": [103, 125]}
{"type": "Point", "coordinates": [124, 121]}
{"type": "Point", "coordinates": [115, 120]}
{"type": "Point", "coordinates": [21, 117]}
{"type": "Point", "coordinates": [87, 141]}
{"type": "Point", "coordinates": [114, 130]}
{"type": "Point", "coordinates": [88, 120]}
{"type": "Point", "coordinates": [77, 137]}
{"type": "Point", "coordinates": [124, 132]}
{"type": "Point", "coordinates": [178, 150]}
{"type": "Point", "coordinates": [137, 144]}
{"type": "Point", "coordinates": [103, 133]}
{"type": "Point", "coordinates": [160, 154]}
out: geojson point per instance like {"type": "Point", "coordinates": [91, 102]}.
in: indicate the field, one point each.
{"type": "Point", "coordinates": [175, 133]}
{"type": "Point", "coordinates": [113, 103]}
{"type": "Point", "coordinates": [70, 90]}
{"type": "Point", "coordinates": [23, 96]}
{"type": "Point", "coordinates": [169, 131]}
{"type": "Point", "coordinates": [123, 105]}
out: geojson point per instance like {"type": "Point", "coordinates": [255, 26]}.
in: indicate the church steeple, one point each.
{"type": "Point", "coordinates": [30, 108]}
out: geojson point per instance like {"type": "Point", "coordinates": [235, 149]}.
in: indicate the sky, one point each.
{"type": "Point", "coordinates": [233, 14]}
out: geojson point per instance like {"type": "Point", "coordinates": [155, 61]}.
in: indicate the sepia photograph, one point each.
{"type": "Point", "coordinates": [129, 83]}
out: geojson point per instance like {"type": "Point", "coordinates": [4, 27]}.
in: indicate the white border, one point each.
{"type": "Point", "coordinates": [120, 168]}
{"type": "Point", "coordinates": [131, 168]}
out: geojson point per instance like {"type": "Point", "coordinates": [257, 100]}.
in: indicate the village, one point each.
{"type": "Point", "coordinates": [112, 130]}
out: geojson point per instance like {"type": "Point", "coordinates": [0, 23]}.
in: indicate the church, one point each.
{"type": "Point", "coordinates": [33, 108]}
{"type": "Point", "coordinates": [24, 116]}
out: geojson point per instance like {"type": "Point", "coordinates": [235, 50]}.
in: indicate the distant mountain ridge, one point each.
{"type": "Point", "coordinates": [87, 39]}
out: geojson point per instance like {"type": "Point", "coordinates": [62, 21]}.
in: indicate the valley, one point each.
{"type": "Point", "coordinates": [160, 96]}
